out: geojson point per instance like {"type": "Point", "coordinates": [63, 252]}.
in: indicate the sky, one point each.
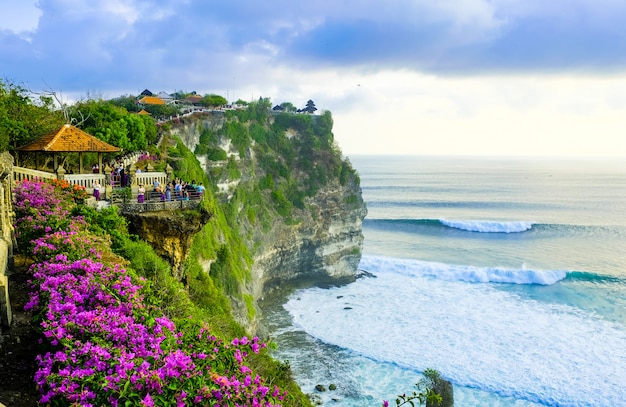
{"type": "Point", "coordinates": [443, 77]}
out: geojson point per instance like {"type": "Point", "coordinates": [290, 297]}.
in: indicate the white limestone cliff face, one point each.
{"type": "Point", "coordinates": [190, 128]}
{"type": "Point", "coordinates": [322, 245]}
{"type": "Point", "coordinates": [325, 245]}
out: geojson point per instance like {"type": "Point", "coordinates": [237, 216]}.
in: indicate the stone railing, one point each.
{"type": "Point", "coordinates": [157, 205]}
{"type": "Point", "coordinates": [148, 178]}
{"type": "Point", "coordinates": [21, 174]}
{"type": "Point", "coordinates": [111, 186]}
{"type": "Point", "coordinates": [85, 180]}
{"type": "Point", "coordinates": [6, 235]}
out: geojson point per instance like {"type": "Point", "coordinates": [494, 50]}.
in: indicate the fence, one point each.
{"type": "Point", "coordinates": [124, 198]}
{"type": "Point", "coordinates": [85, 180]}
{"type": "Point", "coordinates": [148, 178]}
{"type": "Point", "coordinates": [21, 174]}
{"type": "Point", "coordinates": [157, 205]}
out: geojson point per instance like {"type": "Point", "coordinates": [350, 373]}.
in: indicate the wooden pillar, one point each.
{"type": "Point", "coordinates": [80, 162]}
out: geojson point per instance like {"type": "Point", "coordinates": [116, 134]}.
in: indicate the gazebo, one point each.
{"type": "Point", "coordinates": [68, 139]}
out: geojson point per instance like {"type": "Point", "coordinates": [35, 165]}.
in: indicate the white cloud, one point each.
{"type": "Point", "coordinates": [379, 67]}
{"type": "Point", "coordinates": [513, 115]}
{"type": "Point", "coordinates": [19, 16]}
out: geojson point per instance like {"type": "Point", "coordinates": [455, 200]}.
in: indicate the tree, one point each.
{"type": "Point", "coordinates": [310, 107]}
{"type": "Point", "coordinates": [288, 107]}
{"type": "Point", "coordinates": [160, 111]}
{"type": "Point", "coordinates": [213, 100]}
{"type": "Point", "coordinates": [128, 102]}
{"type": "Point", "coordinates": [24, 117]}
{"type": "Point", "coordinates": [114, 125]}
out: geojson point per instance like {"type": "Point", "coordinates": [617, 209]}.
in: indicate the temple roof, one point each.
{"type": "Point", "coordinates": [69, 139]}
{"type": "Point", "coordinates": [151, 100]}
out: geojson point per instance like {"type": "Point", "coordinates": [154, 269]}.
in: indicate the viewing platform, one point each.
{"type": "Point", "coordinates": [118, 190]}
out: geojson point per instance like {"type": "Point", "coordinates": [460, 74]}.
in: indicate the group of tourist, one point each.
{"type": "Point", "coordinates": [177, 190]}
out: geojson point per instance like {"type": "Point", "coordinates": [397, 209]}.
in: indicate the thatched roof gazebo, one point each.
{"type": "Point", "coordinates": [68, 139]}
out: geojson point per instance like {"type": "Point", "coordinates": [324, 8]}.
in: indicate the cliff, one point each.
{"type": "Point", "coordinates": [285, 191]}
{"type": "Point", "coordinates": [281, 205]}
{"type": "Point", "coordinates": [169, 233]}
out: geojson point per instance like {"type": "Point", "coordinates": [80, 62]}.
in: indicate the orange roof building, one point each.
{"type": "Point", "coordinates": [151, 100]}
{"type": "Point", "coordinates": [69, 139]}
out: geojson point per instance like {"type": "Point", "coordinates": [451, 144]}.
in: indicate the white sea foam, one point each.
{"type": "Point", "coordinates": [474, 334]}
{"type": "Point", "coordinates": [488, 226]}
{"type": "Point", "coordinates": [452, 272]}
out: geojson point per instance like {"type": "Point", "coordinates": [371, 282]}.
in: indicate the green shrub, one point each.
{"type": "Point", "coordinates": [216, 154]}
{"type": "Point", "coordinates": [283, 205]}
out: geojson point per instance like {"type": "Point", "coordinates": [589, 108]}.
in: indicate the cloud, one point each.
{"type": "Point", "coordinates": [19, 16]}
{"type": "Point", "coordinates": [116, 43]}
{"type": "Point", "coordinates": [402, 112]}
{"type": "Point", "coordinates": [474, 65]}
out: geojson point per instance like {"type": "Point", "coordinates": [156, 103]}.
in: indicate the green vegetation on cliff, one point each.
{"type": "Point", "coordinates": [263, 167]}
{"type": "Point", "coordinates": [295, 157]}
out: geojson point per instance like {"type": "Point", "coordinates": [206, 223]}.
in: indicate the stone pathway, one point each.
{"type": "Point", "coordinates": [18, 347]}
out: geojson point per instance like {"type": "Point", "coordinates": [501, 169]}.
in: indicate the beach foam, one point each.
{"type": "Point", "coordinates": [487, 226]}
{"type": "Point", "coordinates": [474, 334]}
{"type": "Point", "coordinates": [450, 272]}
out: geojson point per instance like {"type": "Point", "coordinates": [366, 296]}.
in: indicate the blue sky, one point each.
{"type": "Point", "coordinates": [470, 77]}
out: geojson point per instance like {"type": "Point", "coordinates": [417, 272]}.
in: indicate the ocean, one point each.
{"type": "Point", "coordinates": [508, 276]}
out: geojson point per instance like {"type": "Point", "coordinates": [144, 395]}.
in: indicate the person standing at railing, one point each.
{"type": "Point", "coordinates": [178, 190]}
{"type": "Point", "coordinates": [168, 191]}
{"type": "Point", "coordinates": [200, 190]}
{"type": "Point", "coordinates": [141, 191]}
{"type": "Point", "coordinates": [96, 190]}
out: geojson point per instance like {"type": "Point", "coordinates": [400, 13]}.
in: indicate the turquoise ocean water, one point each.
{"type": "Point", "coordinates": [508, 276]}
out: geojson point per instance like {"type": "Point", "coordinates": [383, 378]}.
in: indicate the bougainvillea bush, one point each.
{"type": "Point", "coordinates": [107, 345]}
{"type": "Point", "coordinates": [40, 208]}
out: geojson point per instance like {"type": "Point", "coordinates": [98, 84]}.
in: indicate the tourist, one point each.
{"type": "Point", "coordinates": [190, 190]}
{"type": "Point", "coordinates": [96, 190]}
{"type": "Point", "coordinates": [140, 194]}
{"type": "Point", "coordinates": [123, 178]}
{"type": "Point", "coordinates": [168, 191]}
{"type": "Point", "coordinates": [200, 190]}
{"type": "Point", "coordinates": [178, 190]}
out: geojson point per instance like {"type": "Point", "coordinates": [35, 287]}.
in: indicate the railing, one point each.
{"type": "Point", "coordinates": [157, 205]}
{"type": "Point", "coordinates": [148, 178]}
{"type": "Point", "coordinates": [128, 159]}
{"type": "Point", "coordinates": [21, 174]}
{"type": "Point", "coordinates": [85, 180]}
{"type": "Point", "coordinates": [130, 205]}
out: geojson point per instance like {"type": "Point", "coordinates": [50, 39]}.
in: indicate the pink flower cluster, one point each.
{"type": "Point", "coordinates": [40, 208]}
{"type": "Point", "coordinates": [108, 346]}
